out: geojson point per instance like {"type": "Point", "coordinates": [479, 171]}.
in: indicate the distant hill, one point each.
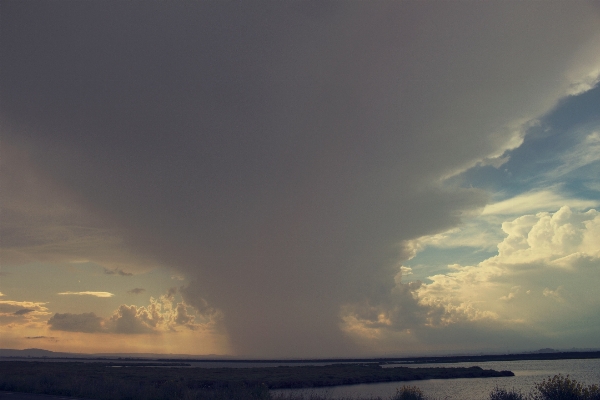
{"type": "Point", "coordinates": [546, 350]}
{"type": "Point", "coordinates": [546, 353]}
{"type": "Point", "coordinates": [37, 353]}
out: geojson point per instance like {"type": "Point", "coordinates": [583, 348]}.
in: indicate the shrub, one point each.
{"type": "Point", "coordinates": [502, 394]}
{"type": "Point", "coordinates": [564, 388]}
{"type": "Point", "coordinates": [409, 393]}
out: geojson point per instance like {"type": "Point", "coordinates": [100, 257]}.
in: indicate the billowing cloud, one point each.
{"type": "Point", "coordinates": [280, 180]}
{"type": "Point", "coordinates": [85, 322]}
{"type": "Point", "coordinates": [541, 281]}
{"type": "Point", "coordinates": [88, 293]}
{"type": "Point", "coordinates": [161, 315]}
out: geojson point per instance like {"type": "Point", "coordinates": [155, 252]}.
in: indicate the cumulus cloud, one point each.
{"type": "Point", "coordinates": [544, 239]}
{"type": "Point", "coordinates": [550, 237]}
{"type": "Point", "coordinates": [88, 293]}
{"type": "Point", "coordinates": [161, 315]}
{"type": "Point", "coordinates": [85, 322]}
{"type": "Point", "coordinates": [542, 277]}
{"type": "Point", "coordinates": [128, 319]}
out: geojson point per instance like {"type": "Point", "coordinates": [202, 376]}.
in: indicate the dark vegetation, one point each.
{"type": "Point", "coordinates": [556, 388]}
{"type": "Point", "coordinates": [128, 381]}
{"type": "Point", "coordinates": [124, 382]}
{"type": "Point", "coordinates": [565, 355]}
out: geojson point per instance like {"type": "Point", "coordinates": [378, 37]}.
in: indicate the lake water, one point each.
{"type": "Point", "coordinates": [527, 373]}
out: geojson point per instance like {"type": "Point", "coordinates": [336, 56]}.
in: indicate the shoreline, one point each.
{"type": "Point", "coordinates": [571, 355]}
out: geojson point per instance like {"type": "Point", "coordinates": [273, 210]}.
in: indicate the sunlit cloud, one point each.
{"type": "Point", "coordinates": [87, 293]}
{"type": "Point", "coordinates": [161, 315]}
{"type": "Point", "coordinates": [546, 269]}
{"type": "Point", "coordinates": [17, 313]}
{"type": "Point", "coordinates": [537, 200]}
{"type": "Point", "coordinates": [587, 81]}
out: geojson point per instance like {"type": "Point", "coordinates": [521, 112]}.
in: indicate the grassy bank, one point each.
{"type": "Point", "coordinates": [126, 382]}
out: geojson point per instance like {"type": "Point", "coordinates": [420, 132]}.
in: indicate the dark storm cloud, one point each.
{"type": "Point", "coordinates": [23, 311]}
{"type": "Point", "coordinates": [42, 337]}
{"type": "Point", "coordinates": [117, 272]}
{"type": "Point", "coordinates": [85, 322]}
{"type": "Point", "coordinates": [277, 154]}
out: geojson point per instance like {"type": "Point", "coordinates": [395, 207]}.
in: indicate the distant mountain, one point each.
{"type": "Point", "coordinates": [41, 353]}
{"type": "Point", "coordinates": [546, 350]}
{"type": "Point", "coordinates": [37, 353]}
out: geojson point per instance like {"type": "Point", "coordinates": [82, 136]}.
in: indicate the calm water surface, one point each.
{"type": "Point", "coordinates": [527, 373]}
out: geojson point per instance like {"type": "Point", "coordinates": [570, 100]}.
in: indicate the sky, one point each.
{"type": "Point", "coordinates": [299, 179]}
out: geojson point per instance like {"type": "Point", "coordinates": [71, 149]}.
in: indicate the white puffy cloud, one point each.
{"type": "Point", "coordinates": [542, 281]}
{"type": "Point", "coordinates": [550, 237]}
{"type": "Point", "coordinates": [547, 254]}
